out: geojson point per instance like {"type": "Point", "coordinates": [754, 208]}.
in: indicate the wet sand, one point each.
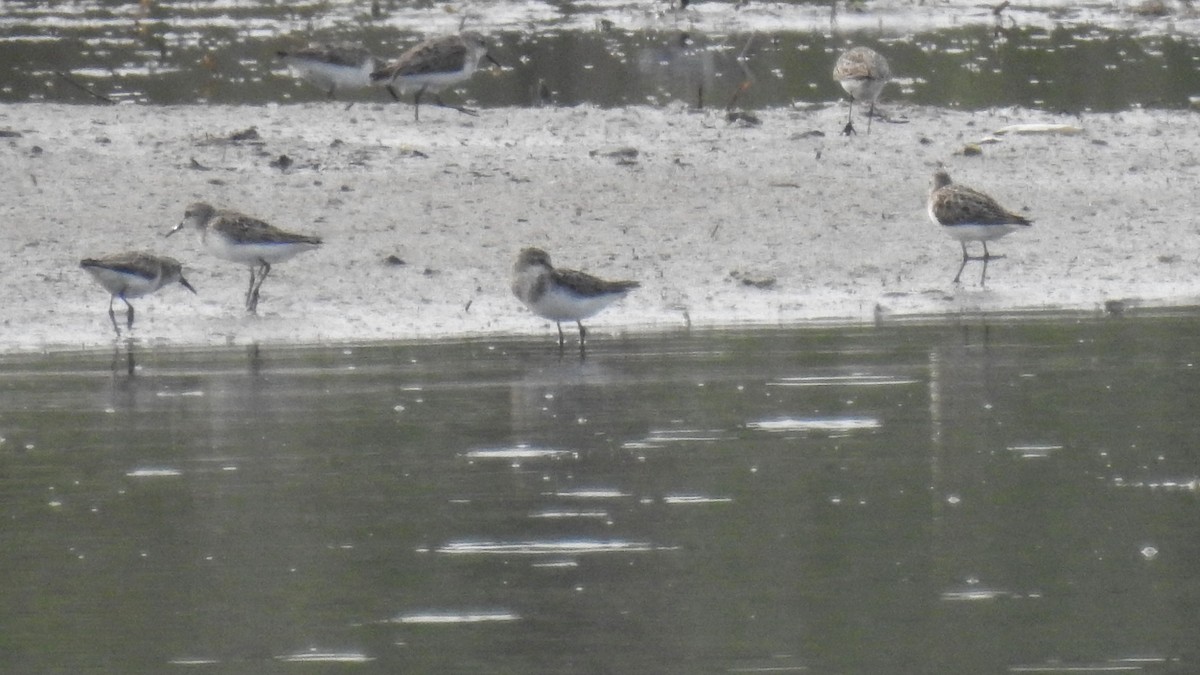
{"type": "Point", "coordinates": [780, 223]}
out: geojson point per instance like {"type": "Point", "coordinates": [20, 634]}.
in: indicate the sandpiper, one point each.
{"type": "Point", "coordinates": [332, 66]}
{"type": "Point", "coordinates": [970, 215]}
{"type": "Point", "coordinates": [242, 239]}
{"type": "Point", "coordinates": [132, 275]}
{"type": "Point", "coordinates": [863, 73]}
{"type": "Point", "coordinates": [434, 65]}
{"type": "Point", "coordinates": [561, 294]}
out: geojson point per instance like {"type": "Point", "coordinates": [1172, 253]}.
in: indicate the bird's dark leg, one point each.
{"type": "Point", "coordinates": [461, 109]}
{"type": "Point", "coordinates": [849, 128]}
{"type": "Point", "coordinates": [965, 258]}
{"type": "Point", "coordinates": [266, 269]}
{"type": "Point", "coordinates": [130, 361]}
{"type": "Point", "coordinates": [129, 313]}
{"type": "Point", "coordinates": [870, 114]}
{"type": "Point", "coordinates": [250, 289]}
{"type": "Point", "coordinates": [561, 339]}
{"type": "Point", "coordinates": [392, 90]}
{"type": "Point", "coordinates": [582, 335]}
{"type": "Point", "coordinates": [986, 257]}
{"type": "Point", "coordinates": [112, 316]}
{"type": "Point", "coordinates": [417, 102]}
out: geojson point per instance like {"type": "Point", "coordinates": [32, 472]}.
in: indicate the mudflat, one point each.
{"type": "Point", "coordinates": [770, 219]}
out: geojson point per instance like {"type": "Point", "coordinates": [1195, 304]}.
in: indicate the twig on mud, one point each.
{"type": "Point", "coordinates": [71, 81]}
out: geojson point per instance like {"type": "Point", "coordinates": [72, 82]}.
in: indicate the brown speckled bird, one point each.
{"type": "Point", "coordinates": [970, 215]}
{"type": "Point", "coordinates": [332, 66]}
{"type": "Point", "coordinates": [863, 73]}
{"type": "Point", "coordinates": [245, 240]}
{"type": "Point", "coordinates": [434, 65]}
{"type": "Point", "coordinates": [132, 275]}
{"type": "Point", "coordinates": [562, 294]}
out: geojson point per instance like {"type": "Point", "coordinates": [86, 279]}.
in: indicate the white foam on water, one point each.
{"type": "Point", "coordinates": [520, 452]}
{"type": "Point", "coordinates": [448, 617]}
{"type": "Point", "coordinates": [544, 547]}
{"type": "Point", "coordinates": [695, 499]}
{"type": "Point", "coordinates": [154, 473]}
{"type": "Point", "coordinates": [592, 493]}
{"type": "Point", "coordinates": [842, 381]}
{"type": "Point", "coordinates": [325, 657]}
{"type": "Point", "coordinates": [823, 424]}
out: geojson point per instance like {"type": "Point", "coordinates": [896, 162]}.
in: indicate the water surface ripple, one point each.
{"type": "Point", "coordinates": [961, 497]}
{"type": "Point", "coordinates": [1059, 57]}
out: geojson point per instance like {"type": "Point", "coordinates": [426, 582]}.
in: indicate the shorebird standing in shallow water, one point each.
{"type": "Point", "coordinates": [249, 241]}
{"type": "Point", "coordinates": [970, 215]}
{"type": "Point", "coordinates": [332, 67]}
{"type": "Point", "coordinates": [132, 275]}
{"type": "Point", "coordinates": [434, 65]}
{"type": "Point", "coordinates": [863, 73]}
{"type": "Point", "coordinates": [561, 294]}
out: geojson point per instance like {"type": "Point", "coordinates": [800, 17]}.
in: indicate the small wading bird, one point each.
{"type": "Point", "coordinates": [249, 241]}
{"type": "Point", "coordinates": [332, 67]}
{"type": "Point", "coordinates": [560, 294]}
{"type": "Point", "coordinates": [970, 215]}
{"type": "Point", "coordinates": [132, 275]}
{"type": "Point", "coordinates": [434, 65]}
{"type": "Point", "coordinates": [863, 73]}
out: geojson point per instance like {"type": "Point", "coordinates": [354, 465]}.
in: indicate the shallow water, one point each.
{"type": "Point", "coordinates": [608, 55]}
{"type": "Point", "coordinates": [968, 497]}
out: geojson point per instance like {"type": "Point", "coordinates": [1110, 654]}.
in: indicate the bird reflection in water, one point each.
{"type": "Point", "coordinates": [129, 362]}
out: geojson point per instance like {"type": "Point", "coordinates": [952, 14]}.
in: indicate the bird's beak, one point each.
{"type": "Point", "coordinates": [185, 281]}
{"type": "Point", "coordinates": [491, 58]}
{"type": "Point", "coordinates": [176, 228]}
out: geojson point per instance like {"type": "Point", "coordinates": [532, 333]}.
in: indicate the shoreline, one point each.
{"type": "Point", "coordinates": [724, 224]}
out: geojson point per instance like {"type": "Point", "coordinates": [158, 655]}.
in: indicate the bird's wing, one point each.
{"type": "Point", "coordinates": [584, 284]}
{"type": "Point", "coordinates": [431, 57]}
{"type": "Point", "coordinates": [958, 205]}
{"type": "Point", "coordinates": [250, 230]}
{"type": "Point", "coordinates": [134, 264]}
